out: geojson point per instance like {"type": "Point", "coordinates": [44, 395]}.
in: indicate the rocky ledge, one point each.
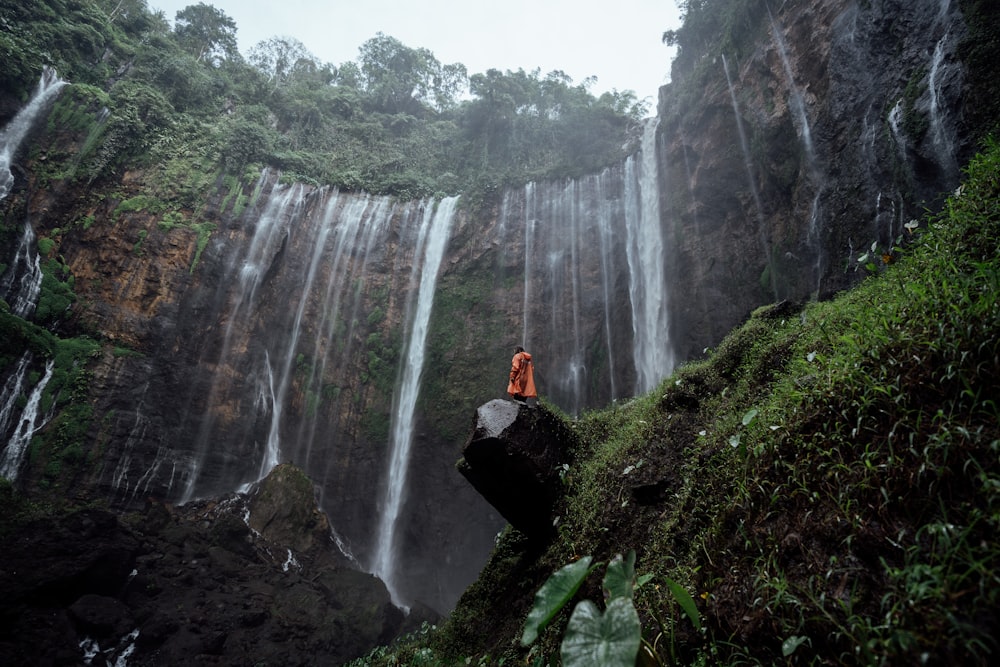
{"type": "Point", "coordinates": [515, 458]}
{"type": "Point", "coordinates": [247, 579]}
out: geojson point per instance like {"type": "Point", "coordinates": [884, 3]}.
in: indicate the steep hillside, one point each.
{"type": "Point", "coordinates": [824, 486]}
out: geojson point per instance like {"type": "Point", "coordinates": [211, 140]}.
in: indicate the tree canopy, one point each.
{"type": "Point", "coordinates": [395, 121]}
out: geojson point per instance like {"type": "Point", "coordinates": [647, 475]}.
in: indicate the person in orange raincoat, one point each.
{"type": "Point", "coordinates": [522, 377]}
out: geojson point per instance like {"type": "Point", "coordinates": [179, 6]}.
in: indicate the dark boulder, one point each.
{"type": "Point", "coordinates": [244, 579]}
{"type": "Point", "coordinates": [515, 458]}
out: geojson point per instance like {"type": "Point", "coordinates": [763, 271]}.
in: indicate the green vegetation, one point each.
{"type": "Point", "coordinates": [826, 482]}
{"type": "Point", "coordinates": [60, 448]}
{"type": "Point", "coordinates": [185, 105]}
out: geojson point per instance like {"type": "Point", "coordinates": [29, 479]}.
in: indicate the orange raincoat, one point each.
{"type": "Point", "coordinates": [522, 377]}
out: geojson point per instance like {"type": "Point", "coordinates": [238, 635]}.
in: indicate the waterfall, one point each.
{"type": "Point", "coordinates": [530, 220]}
{"type": "Point", "coordinates": [944, 144]}
{"type": "Point", "coordinates": [435, 230]}
{"type": "Point", "coordinates": [363, 222]}
{"type": "Point", "coordinates": [277, 394]}
{"type": "Point", "coordinates": [269, 233]}
{"type": "Point", "coordinates": [571, 312]}
{"type": "Point", "coordinates": [272, 449]}
{"type": "Point", "coordinates": [606, 213]}
{"type": "Point", "coordinates": [17, 129]}
{"type": "Point", "coordinates": [13, 454]}
{"type": "Point", "coordinates": [647, 277]}
{"type": "Point", "coordinates": [558, 273]}
{"type": "Point", "coordinates": [22, 294]}
{"type": "Point", "coordinates": [796, 102]}
{"type": "Point", "coordinates": [895, 120]}
{"type": "Point", "coordinates": [748, 164]}
{"type": "Point", "coordinates": [121, 477]}
{"type": "Point", "coordinates": [798, 107]}
{"type": "Point", "coordinates": [12, 391]}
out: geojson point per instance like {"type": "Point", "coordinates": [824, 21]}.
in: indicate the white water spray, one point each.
{"type": "Point", "coordinates": [798, 107]}
{"type": "Point", "coordinates": [17, 129]}
{"type": "Point", "coordinates": [17, 446]}
{"type": "Point", "coordinates": [434, 233]}
{"type": "Point", "coordinates": [647, 277]}
{"type": "Point", "coordinates": [529, 249]}
{"type": "Point", "coordinates": [796, 102]}
{"type": "Point", "coordinates": [22, 293]}
{"type": "Point", "coordinates": [12, 391]}
{"type": "Point", "coordinates": [748, 164]}
{"type": "Point", "coordinates": [944, 144]}
{"type": "Point", "coordinates": [268, 235]}
{"type": "Point", "coordinates": [362, 224]}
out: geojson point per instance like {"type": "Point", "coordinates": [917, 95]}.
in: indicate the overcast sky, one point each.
{"type": "Point", "coordinates": [618, 41]}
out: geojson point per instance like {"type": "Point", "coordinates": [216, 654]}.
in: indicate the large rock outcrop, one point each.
{"type": "Point", "coordinates": [515, 457]}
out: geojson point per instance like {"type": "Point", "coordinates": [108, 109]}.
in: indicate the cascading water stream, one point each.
{"type": "Point", "coordinates": [944, 144]}
{"type": "Point", "coordinates": [607, 271]}
{"type": "Point", "coordinates": [17, 446]}
{"type": "Point", "coordinates": [12, 391]}
{"type": "Point", "coordinates": [652, 351]}
{"type": "Point", "coordinates": [530, 215]}
{"type": "Point", "coordinates": [748, 164]}
{"type": "Point", "coordinates": [796, 102]}
{"type": "Point", "coordinates": [17, 129]}
{"type": "Point", "coordinates": [277, 393]}
{"type": "Point", "coordinates": [269, 230]}
{"type": "Point", "coordinates": [798, 107]}
{"type": "Point", "coordinates": [572, 262]}
{"type": "Point", "coordinates": [22, 281]}
{"type": "Point", "coordinates": [433, 238]}
{"type": "Point", "coordinates": [361, 225]}
{"type": "Point", "coordinates": [22, 294]}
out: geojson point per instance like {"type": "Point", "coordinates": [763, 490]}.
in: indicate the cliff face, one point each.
{"type": "Point", "coordinates": [270, 322]}
{"type": "Point", "coordinates": [835, 124]}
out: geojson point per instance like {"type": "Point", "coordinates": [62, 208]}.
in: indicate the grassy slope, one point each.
{"type": "Point", "coordinates": [826, 483]}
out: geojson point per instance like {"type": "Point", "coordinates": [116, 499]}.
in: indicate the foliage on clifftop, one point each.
{"type": "Point", "coordinates": [825, 484]}
{"type": "Point", "coordinates": [181, 101]}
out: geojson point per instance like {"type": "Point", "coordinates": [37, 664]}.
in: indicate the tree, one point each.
{"type": "Point", "coordinates": [206, 33]}
{"type": "Point", "coordinates": [279, 58]}
{"type": "Point", "coordinates": [398, 79]}
{"type": "Point", "coordinates": [132, 15]}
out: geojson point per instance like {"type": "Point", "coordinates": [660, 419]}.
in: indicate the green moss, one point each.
{"type": "Point", "coordinates": [56, 295]}
{"type": "Point", "coordinates": [204, 231]}
{"type": "Point", "coordinates": [45, 246]}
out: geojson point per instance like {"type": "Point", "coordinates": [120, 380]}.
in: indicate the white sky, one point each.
{"type": "Point", "coordinates": [618, 41]}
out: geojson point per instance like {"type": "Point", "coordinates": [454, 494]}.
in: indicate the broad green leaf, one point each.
{"type": "Point", "coordinates": [749, 416]}
{"type": "Point", "coordinates": [685, 600]}
{"type": "Point", "coordinates": [789, 645]}
{"type": "Point", "coordinates": [553, 596]}
{"type": "Point", "coordinates": [620, 577]}
{"type": "Point", "coordinates": [610, 639]}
